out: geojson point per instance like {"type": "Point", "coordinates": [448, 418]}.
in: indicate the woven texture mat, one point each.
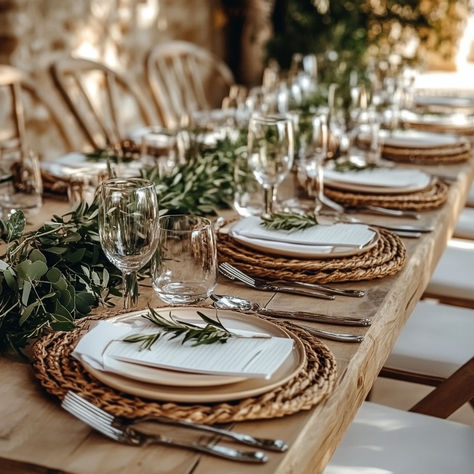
{"type": "Point", "coordinates": [387, 257]}
{"type": "Point", "coordinates": [431, 197]}
{"type": "Point", "coordinates": [59, 372]}
{"type": "Point", "coordinates": [432, 127]}
{"type": "Point", "coordinates": [430, 156]}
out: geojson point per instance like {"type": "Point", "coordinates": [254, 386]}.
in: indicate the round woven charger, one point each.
{"type": "Point", "coordinates": [429, 198]}
{"type": "Point", "coordinates": [387, 257]}
{"type": "Point", "coordinates": [429, 156]}
{"type": "Point", "coordinates": [465, 131]}
{"type": "Point", "coordinates": [58, 372]}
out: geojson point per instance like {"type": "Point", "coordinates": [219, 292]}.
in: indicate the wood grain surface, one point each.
{"type": "Point", "coordinates": [36, 435]}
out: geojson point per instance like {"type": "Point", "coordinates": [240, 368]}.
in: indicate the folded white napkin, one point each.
{"type": "Point", "coordinates": [458, 120]}
{"type": "Point", "coordinates": [380, 177]}
{"type": "Point", "coordinates": [77, 163]}
{"type": "Point", "coordinates": [334, 235]}
{"type": "Point", "coordinates": [418, 139]}
{"type": "Point", "coordinates": [248, 357]}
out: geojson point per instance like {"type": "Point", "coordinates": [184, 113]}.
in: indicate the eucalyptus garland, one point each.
{"type": "Point", "coordinates": [51, 276]}
{"type": "Point", "coordinates": [58, 273]}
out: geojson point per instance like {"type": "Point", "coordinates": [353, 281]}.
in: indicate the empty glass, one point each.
{"type": "Point", "coordinates": [314, 148]}
{"type": "Point", "coordinates": [21, 186]}
{"type": "Point", "coordinates": [270, 152]}
{"type": "Point", "coordinates": [128, 221]}
{"type": "Point", "coordinates": [184, 269]}
{"type": "Point", "coordinates": [159, 148]}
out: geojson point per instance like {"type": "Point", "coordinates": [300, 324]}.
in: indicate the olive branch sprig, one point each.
{"type": "Point", "coordinates": [289, 221]}
{"type": "Point", "coordinates": [214, 331]}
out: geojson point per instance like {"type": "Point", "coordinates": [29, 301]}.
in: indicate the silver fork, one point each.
{"type": "Point", "coordinates": [234, 273]}
{"type": "Point", "coordinates": [121, 429]}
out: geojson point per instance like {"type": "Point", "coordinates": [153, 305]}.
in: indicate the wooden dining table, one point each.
{"type": "Point", "coordinates": [38, 436]}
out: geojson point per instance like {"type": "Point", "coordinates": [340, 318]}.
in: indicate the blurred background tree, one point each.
{"type": "Point", "coordinates": [344, 34]}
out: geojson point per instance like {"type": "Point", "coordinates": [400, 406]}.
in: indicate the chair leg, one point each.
{"type": "Point", "coordinates": [454, 392]}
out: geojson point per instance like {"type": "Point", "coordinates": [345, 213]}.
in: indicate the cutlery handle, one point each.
{"type": "Point", "coordinates": [324, 288]}
{"type": "Point", "coordinates": [392, 212]}
{"type": "Point", "coordinates": [334, 336]}
{"type": "Point", "coordinates": [270, 444]}
{"type": "Point", "coordinates": [212, 449]}
{"type": "Point", "coordinates": [316, 317]}
{"type": "Point", "coordinates": [299, 291]}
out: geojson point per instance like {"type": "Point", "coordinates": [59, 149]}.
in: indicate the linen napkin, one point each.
{"type": "Point", "coordinates": [239, 356]}
{"type": "Point", "coordinates": [380, 177]}
{"type": "Point", "coordinates": [329, 236]}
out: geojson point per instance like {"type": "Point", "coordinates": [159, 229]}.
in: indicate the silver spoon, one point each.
{"type": "Point", "coordinates": [241, 304]}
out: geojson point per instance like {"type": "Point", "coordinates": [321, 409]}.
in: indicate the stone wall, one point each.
{"type": "Point", "coordinates": [34, 33]}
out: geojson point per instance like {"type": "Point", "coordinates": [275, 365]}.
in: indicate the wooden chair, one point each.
{"type": "Point", "coordinates": [15, 85]}
{"type": "Point", "coordinates": [436, 348]}
{"type": "Point", "coordinates": [183, 78]}
{"type": "Point", "coordinates": [105, 104]}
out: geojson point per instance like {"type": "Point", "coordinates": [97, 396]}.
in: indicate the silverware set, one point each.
{"type": "Point", "coordinates": [241, 304]}
{"type": "Point", "coordinates": [125, 431]}
{"type": "Point", "coordinates": [299, 288]}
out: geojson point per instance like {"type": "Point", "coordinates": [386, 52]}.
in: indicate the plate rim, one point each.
{"type": "Point", "coordinates": [190, 395]}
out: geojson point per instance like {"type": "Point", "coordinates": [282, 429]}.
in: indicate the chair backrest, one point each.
{"type": "Point", "coordinates": [14, 86]}
{"type": "Point", "coordinates": [105, 104]}
{"type": "Point", "coordinates": [183, 78]}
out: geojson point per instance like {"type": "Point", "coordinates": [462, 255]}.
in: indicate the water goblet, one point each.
{"type": "Point", "coordinates": [314, 149]}
{"type": "Point", "coordinates": [270, 152]}
{"type": "Point", "coordinates": [184, 268]}
{"type": "Point", "coordinates": [128, 224]}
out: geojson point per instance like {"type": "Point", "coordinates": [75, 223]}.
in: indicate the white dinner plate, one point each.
{"type": "Point", "coordinates": [248, 387]}
{"type": "Point", "coordinates": [452, 121]}
{"type": "Point", "coordinates": [378, 180]}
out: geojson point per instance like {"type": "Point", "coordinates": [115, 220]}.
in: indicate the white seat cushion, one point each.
{"type": "Point", "coordinates": [454, 275]}
{"type": "Point", "coordinates": [383, 440]}
{"type": "Point", "coordinates": [465, 225]}
{"type": "Point", "coordinates": [436, 340]}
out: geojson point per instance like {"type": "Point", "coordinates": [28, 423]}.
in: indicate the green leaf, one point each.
{"type": "Point", "coordinates": [76, 256]}
{"type": "Point", "coordinates": [36, 255]}
{"type": "Point", "coordinates": [84, 302]}
{"type": "Point", "coordinates": [60, 310]}
{"type": "Point", "coordinates": [25, 295]}
{"type": "Point", "coordinates": [37, 269]}
{"type": "Point", "coordinates": [26, 313]}
{"type": "Point", "coordinates": [56, 250]}
{"type": "Point", "coordinates": [10, 279]}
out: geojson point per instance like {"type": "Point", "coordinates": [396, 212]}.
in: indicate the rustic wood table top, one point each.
{"type": "Point", "coordinates": [36, 435]}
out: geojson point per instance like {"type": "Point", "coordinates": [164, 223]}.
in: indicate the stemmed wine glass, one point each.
{"type": "Point", "coordinates": [128, 228]}
{"type": "Point", "coordinates": [313, 151]}
{"type": "Point", "coordinates": [270, 152]}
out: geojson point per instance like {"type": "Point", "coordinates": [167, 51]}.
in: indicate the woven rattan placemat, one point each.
{"type": "Point", "coordinates": [58, 372]}
{"type": "Point", "coordinates": [429, 198]}
{"type": "Point", "coordinates": [429, 156]}
{"type": "Point", "coordinates": [387, 257]}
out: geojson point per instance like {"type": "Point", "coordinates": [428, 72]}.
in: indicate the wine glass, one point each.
{"type": "Point", "coordinates": [128, 228]}
{"type": "Point", "coordinates": [313, 151]}
{"type": "Point", "coordinates": [270, 152]}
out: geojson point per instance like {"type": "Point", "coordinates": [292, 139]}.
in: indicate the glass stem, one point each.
{"type": "Point", "coordinates": [269, 196]}
{"type": "Point", "coordinates": [319, 190]}
{"type": "Point", "coordinates": [130, 290]}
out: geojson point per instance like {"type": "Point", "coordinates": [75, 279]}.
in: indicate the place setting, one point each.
{"type": "Point", "coordinates": [186, 360]}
